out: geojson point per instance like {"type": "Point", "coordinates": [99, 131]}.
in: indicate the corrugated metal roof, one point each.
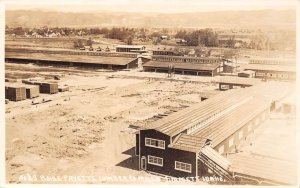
{"type": "Point", "coordinates": [239, 80]}
{"type": "Point", "coordinates": [180, 121]}
{"type": "Point", "coordinates": [186, 118]}
{"type": "Point", "coordinates": [185, 57]}
{"type": "Point", "coordinates": [266, 67]}
{"type": "Point", "coordinates": [189, 143]}
{"type": "Point", "coordinates": [264, 167]}
{"type": "Point", "coordinates": [130, 46]}
{"type": "Point", "coordinates": [185, 66]}
{"type": "Point", "coordinates": [71, 58]}
{"type": "Point", "coordinates": [216, 157]}
{"type": "Point", "coordinates": [222, 128]}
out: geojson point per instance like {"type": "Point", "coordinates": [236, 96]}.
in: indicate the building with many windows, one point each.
{"type": "Point", "coordinates": [129, 48]}
{"type": "Point", "coordinates": [276, 72]}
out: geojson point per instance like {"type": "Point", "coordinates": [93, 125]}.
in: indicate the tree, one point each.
{"type": "Point", "coordinates": [129, 40]}
{"type": "Point", "coordinates": [181, 34]}
{"type": "Point", "coordinates": [78, 43]}
{"type": "Point", "coordinates": [231, 42]}
{"type": "Point", "coordinates": [89, 42]}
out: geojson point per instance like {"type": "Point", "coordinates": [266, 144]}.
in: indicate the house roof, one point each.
{"type": "Point", "coordinates": [130, 46]}
{"type": "Point", "coordinates": [180, 121]}
{"type": "Point", "coordinates": [222, 128]}
{"type": "Point", "coordinates": [216, 157]}
{"type": "Point", "coordinates": [189, 143]}
{"type": "Point", "coordinates": [184, 119]}
{"type": "Point", "coordinates": [185, 66]}
{"type": "Point", "coordinates": [265, 67]}
{"type": "Point", "coordinates": [239, 80]}
{"type": "Point", "coordinates": [70, 58]}
{"type": "Point", "coordinates": [185, 57]}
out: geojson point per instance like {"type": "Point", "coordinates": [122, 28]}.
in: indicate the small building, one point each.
{"type": "Point", "coordinates": [181, 42]}
{"type": "Point", "coordinates": [273, 61]}
{"type": "Point", "coordinates": [15, 92]}
{"type": "Point", "coordinates": [164, 37]}
{"type": "Point", "coordinates": [232, 82]}
{"type": "Point", "coordinates": [247, 74]}
{"type": "Point", "coordinates": [167, 52]}
{"type": "Point", "coordinates": [129, 48]}
{"type": "Point", "coordinates": [276, 72]}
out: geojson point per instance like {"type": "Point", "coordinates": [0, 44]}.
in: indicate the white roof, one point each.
{"type": "Point", "coordinates": [130, 46]}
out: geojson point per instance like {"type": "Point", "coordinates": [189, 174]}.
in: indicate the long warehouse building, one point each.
{"type": "Point", "coordinates": [189, 142]}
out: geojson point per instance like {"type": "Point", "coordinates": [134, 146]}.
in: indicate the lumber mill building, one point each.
{"type": "Point", "coordinates": [185, 65]}
{"type": "Point", "coordinates": [196, 140]}
{"type": "Point", "coordinates": [130, 48]}
{"type": "Point", "coordinates": [276, 72]}
{"type": "Point", "coordinates": [73, 60]}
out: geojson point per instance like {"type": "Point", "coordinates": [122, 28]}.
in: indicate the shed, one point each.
{"type": "Point", "coordinates": [247, 74]}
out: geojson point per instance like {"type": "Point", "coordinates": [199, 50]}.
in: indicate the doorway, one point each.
{"type": "Point", "coordinates": [143, 163]}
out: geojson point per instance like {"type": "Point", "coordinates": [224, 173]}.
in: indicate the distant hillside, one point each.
{"type": "Point", "coordinates": [224, 19]}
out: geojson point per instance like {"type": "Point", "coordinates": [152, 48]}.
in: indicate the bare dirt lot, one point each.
{"type": "Point", "coordinates": [84, 132]}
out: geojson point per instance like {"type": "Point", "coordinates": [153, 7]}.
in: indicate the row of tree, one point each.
{"type": "Point", "coordinates": [202, 37]}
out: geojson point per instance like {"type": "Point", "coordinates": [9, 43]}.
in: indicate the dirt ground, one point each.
{"type": "Point", "coordinates": [84, 132]}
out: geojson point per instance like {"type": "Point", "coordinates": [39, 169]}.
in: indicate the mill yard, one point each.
{"type": "Point", "coordinates": [200, 109]}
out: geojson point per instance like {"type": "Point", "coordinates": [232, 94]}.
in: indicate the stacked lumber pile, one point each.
{"type": "Point", "coordinates": [15, 92]}
{"type": "Point", "coordinates": [32, 91]}
{"type": "Point", "coordinates": [48, 87]}
{"type": "Point", "coordinates": [63, 88]}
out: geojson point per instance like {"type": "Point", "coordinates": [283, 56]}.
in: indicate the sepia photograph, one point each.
{"type": "Point", "coordinates": [140, 92]}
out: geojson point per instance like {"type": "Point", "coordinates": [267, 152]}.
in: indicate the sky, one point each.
{"type": "Point", "coordinates": [149, 5]}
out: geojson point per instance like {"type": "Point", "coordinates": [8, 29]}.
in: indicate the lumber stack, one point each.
{"type": "Point", "coordinates": [32, 91]}
{"type": "Point", "coordinates": [49, 87]}
{"type": "Point", "coordinates": [63, 88]}
{"type": "Point", "coordinates": [15, 92]}
{"type": "Point", "coordinates": [46, 87]}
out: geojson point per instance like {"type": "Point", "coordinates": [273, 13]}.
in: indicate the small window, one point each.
{"type": "Point", "coordinates": [155, 160]}
{"type": "Point", "coordinates": [155, 143]}
{"type": "Point", "coordinates": [186, 167]}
